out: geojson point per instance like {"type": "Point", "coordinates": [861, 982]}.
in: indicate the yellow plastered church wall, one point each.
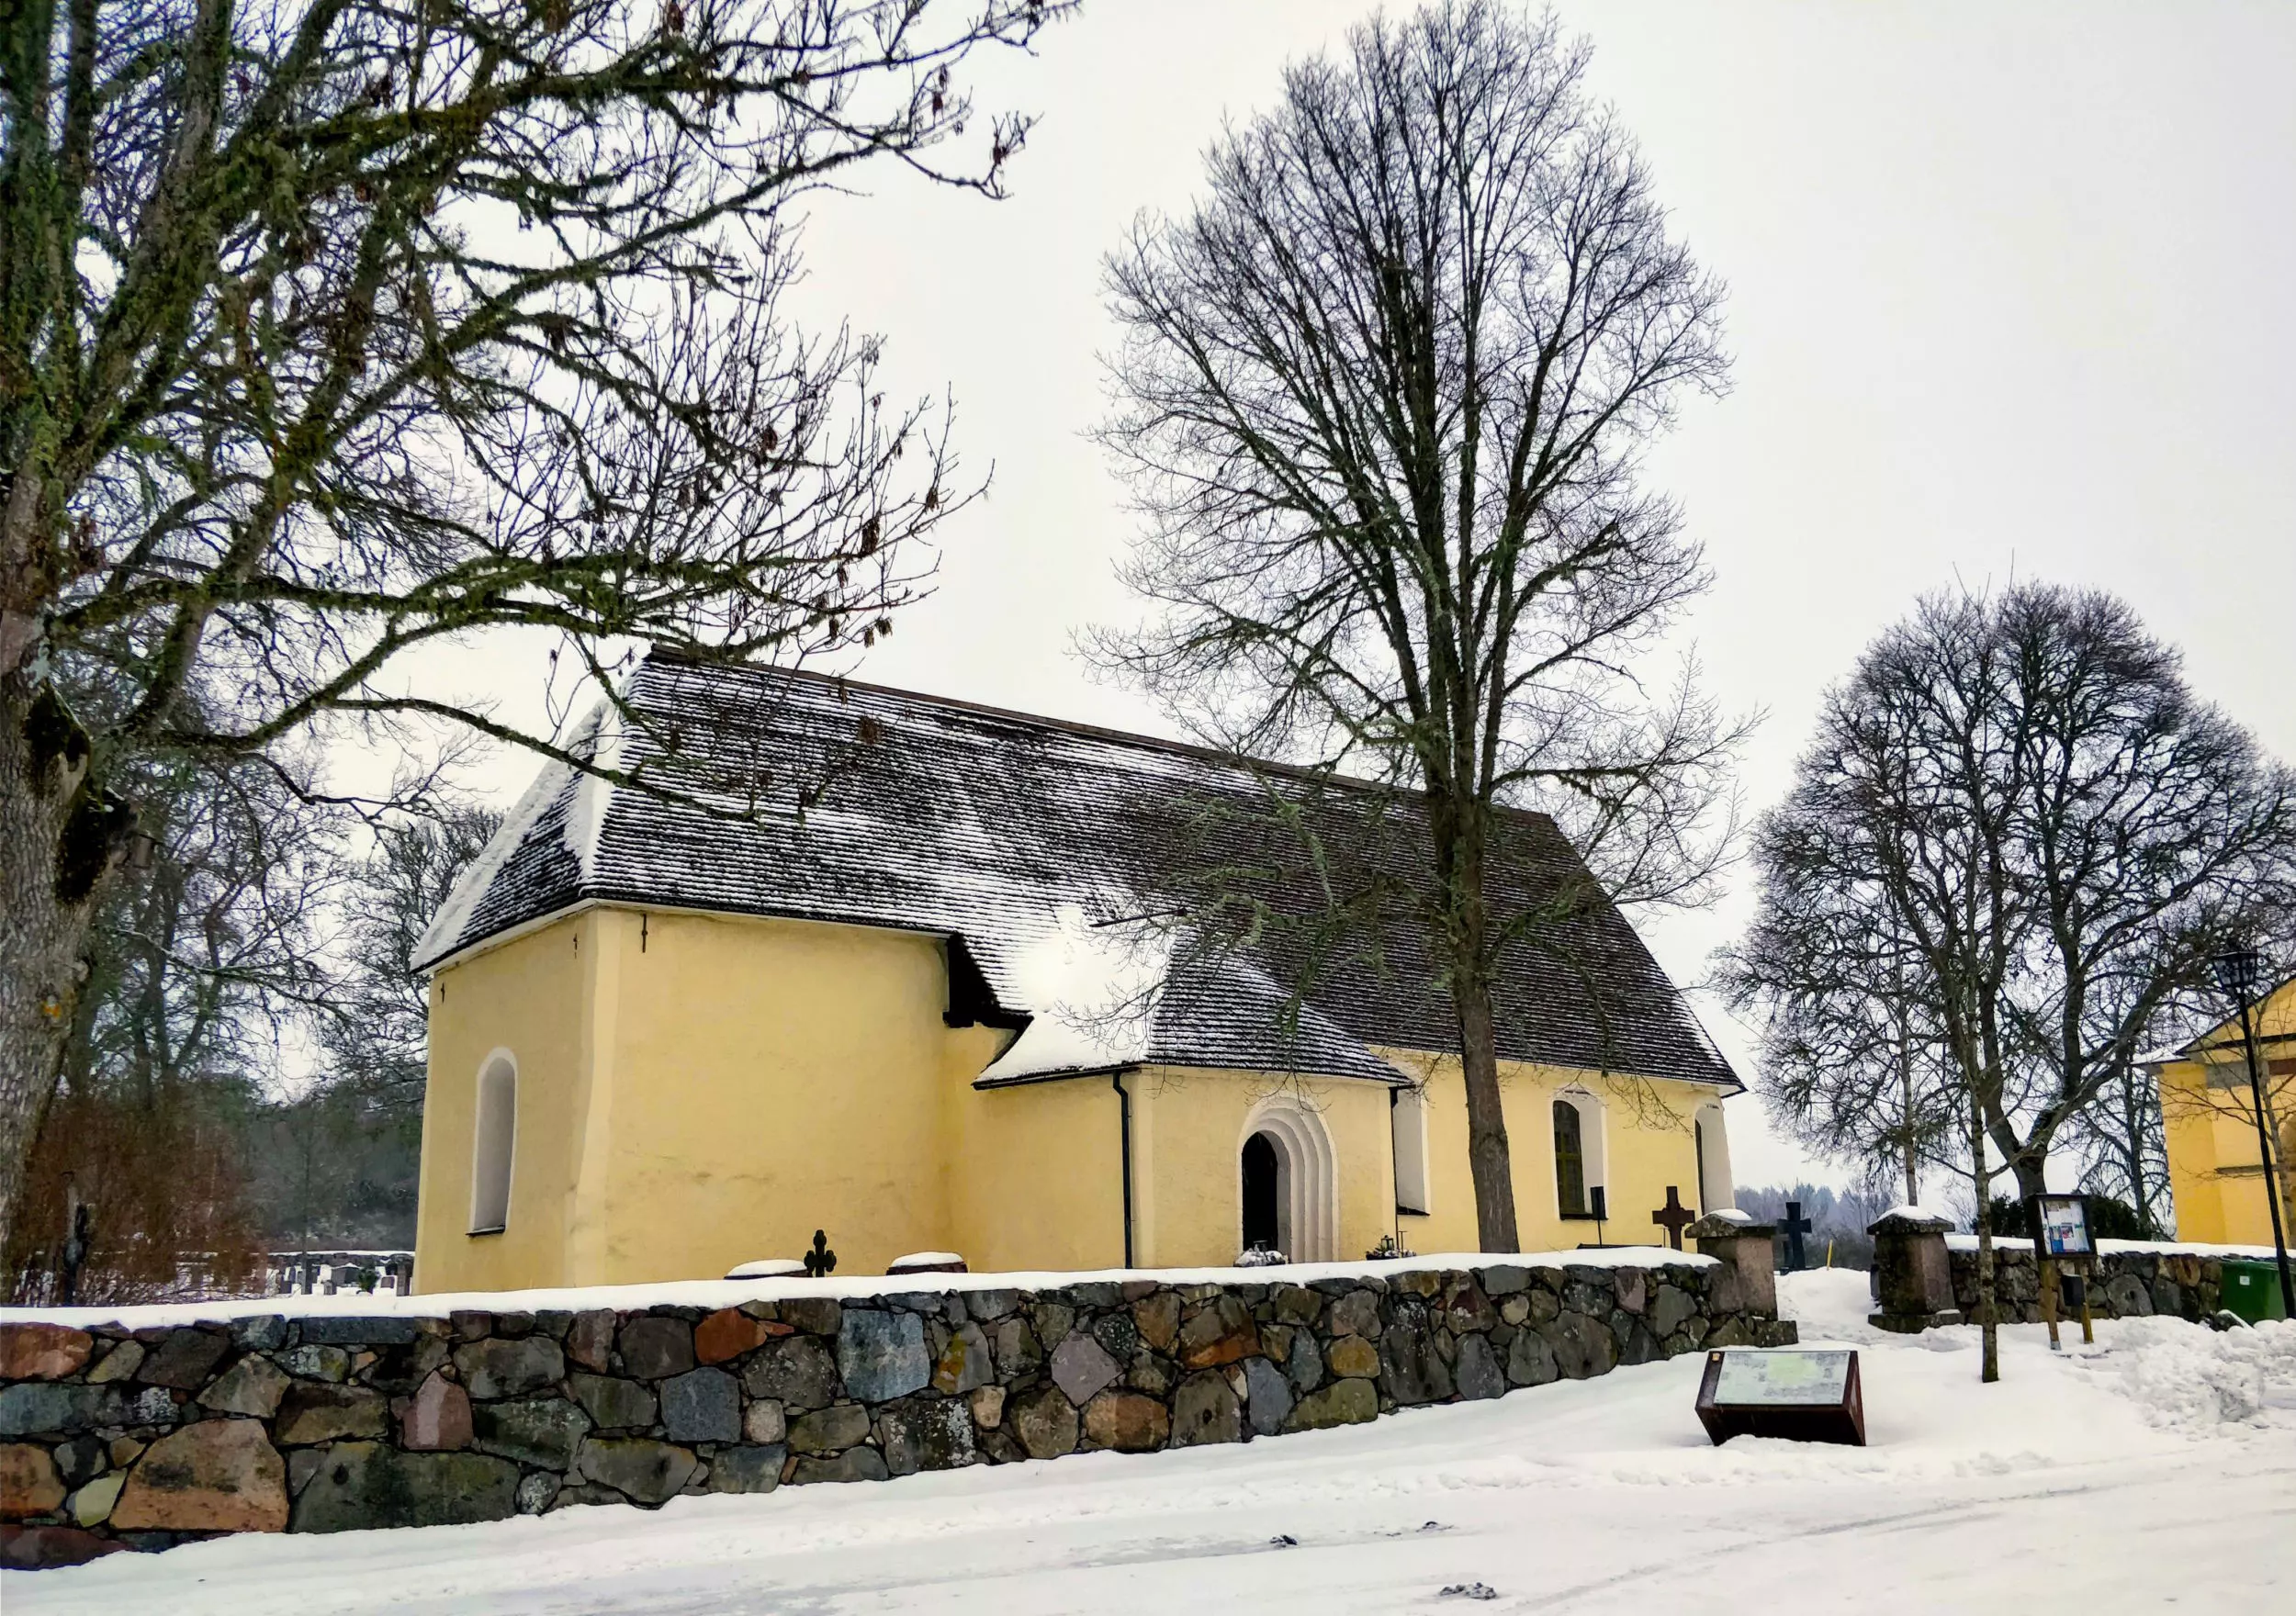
{"type": "Point", "coordinates": [516, 997]}
{"type": "Point", "coordinates": [2214, 1177]}
{"type": "Point", "coordinates": [2192, 1130]}
{"type": "Point", "coordinates": [772, 1077]}
{"type": "Point", "coordinates": [1037, 1173]}
{"type": "Point", "coordinates": [1646, 1143]}
{"type": "Point", "coordinates": [1188, 1129]}
{"type": "Point", "coordinates": [699, 1091]}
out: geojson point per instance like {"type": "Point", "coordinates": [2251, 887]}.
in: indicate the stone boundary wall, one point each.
{"type": "Point", "coordinates": [2122, 1285]}
{"type": "Point", "coordinates": [142, 1439]}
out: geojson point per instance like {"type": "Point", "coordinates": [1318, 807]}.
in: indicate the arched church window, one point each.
{"type": "Point", "coordinates": [1570, 1160]}
{"type": "Point", "coordinates": [1711, 1140]}
{"type": "Point", "coordinates": [1409, 1120]}
{"type": "Point", "coordinates": [493, 1144]}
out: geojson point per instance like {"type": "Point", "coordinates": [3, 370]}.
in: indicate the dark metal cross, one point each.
{"type": "Point", "coordinates": [1795, 1227]}
{"type": "Point", "coordinates": [1673, 1217]}
{"type": "Point", "coordinates": [820, 1261]}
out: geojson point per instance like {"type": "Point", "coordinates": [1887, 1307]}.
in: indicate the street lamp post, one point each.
{"type": "Point", "coordinates": [2236, 974]}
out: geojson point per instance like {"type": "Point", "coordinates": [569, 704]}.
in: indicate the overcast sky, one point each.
{"type": "Point", "coordinates": [2010, 295]}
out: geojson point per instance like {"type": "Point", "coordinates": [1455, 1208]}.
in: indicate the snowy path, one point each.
{"type": "Point", "coordinates": [2161, 1469]}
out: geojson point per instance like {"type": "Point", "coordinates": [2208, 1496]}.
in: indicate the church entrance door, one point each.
{"type": "Point", "coordinates": [1260, 1231]}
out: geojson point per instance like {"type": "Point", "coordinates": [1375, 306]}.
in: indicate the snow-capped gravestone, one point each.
{"type": "Point", "coordinates": [1913, 1278]}
{"type": "Point", "coordinates": [1803, 1394]}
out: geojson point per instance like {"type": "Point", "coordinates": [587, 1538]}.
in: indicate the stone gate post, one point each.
{"type": "Point", "coordinates": [1746, 1248]}
{"type": "Point", "coordinates": [1913, 1279]}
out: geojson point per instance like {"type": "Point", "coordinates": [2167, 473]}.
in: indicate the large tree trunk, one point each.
{"type": "Point", "coordinates": [1487, 1153]}
{"type": "Point", "coordinates": [57, 840]}
{"type": "Point", "coordinates": [1460, 835]}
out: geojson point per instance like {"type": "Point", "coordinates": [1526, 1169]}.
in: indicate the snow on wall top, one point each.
{"type": "Point", "coordinates": [727, 1293]}
{"type": "Point", "coordinates": [2110, 1247]}
{"type": "Point", "coordinates": [1022, 839]}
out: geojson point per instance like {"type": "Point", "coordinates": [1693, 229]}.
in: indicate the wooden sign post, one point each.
{"type": "Point", "coordinates": [1806, 1395]}
{"type": "Point", "coordinates": [2060, 1240]}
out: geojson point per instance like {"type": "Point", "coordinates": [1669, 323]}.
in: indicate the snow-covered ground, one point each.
{"type": "Point", "coordinates": [2157, 1467]}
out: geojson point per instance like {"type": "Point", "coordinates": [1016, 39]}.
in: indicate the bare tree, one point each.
{"type": "Point", "coordinates": [2017, 822]}
{"type": "Point", "coordinates": [195, 970]}
{"type": "Point", "coordinates": [336, 330]}
{"type": "Point", "coordinates": [2124, 1137]}
{"type": "Point", "coordinates": [345, 1146]}
{"type": "Point", "coordinates": [375, 1027]}
{"type": "Point", "coordinates": [1854, 1062]}
{"type": "Point", "coordinates": [1382, 397]}
{"type": "Point", "coordinates": [2154, 835]}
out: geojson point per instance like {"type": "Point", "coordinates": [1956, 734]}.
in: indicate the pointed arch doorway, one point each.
{"type": "Point", "coordinates": [1263, 1228]}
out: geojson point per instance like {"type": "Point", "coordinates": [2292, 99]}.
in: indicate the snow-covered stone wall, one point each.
{"type": "Point", "coordinates": [2130, 1281]}
{"type": "Point", "coordinates": [114, 1437]}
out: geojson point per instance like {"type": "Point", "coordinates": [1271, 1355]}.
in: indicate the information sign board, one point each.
{"type": "Point", "coordinates": [1805, 1394]}
{"type": "Point", "coordinates": [2061, 1227]}
{"type": "Point", "coordinates": [1793, 1377]}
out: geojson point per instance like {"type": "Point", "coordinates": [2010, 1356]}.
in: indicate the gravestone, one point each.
{"type": "Point", "coordinates": [1731, 1237]}
{"type": "Point", "coordinates": [1673, 1216]}
{"type": "Point", "coordinates": [1795, 1227]}
{"type": "Point", "coordinates": [1913, 1280]}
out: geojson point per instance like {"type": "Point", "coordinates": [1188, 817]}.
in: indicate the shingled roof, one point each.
{"type": "Point", "coordinates": [1038, 849]}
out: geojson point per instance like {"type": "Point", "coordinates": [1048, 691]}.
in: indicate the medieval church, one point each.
{"type": "Point", "coordinates": [934, 977]}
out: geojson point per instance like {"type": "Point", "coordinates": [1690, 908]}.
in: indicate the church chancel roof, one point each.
{"type": "Point", "coordinates": [1063, 864]}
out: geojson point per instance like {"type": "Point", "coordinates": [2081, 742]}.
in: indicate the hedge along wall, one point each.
{"type": "Point", "coordinates": [111, 1437]}
{"type": "Point", "coordinates": [2125, 1284]}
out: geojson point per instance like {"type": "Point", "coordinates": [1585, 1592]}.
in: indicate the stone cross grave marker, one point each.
{"type": "Point", "coordinates": [820, 1261]}
{"type": "Point", "coordinates": [1795, 1227]}
{"type": "Point", "coordinates": [1673, 1217]}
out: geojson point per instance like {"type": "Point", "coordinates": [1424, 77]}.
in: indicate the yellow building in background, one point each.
{"type": "Point", "coordinates": [2216, 1174]}
{"type": "Point", "coordinates": [950, 1005]}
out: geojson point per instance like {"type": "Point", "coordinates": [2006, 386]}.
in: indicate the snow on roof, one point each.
{"type": "Point", "coordinates": [996, 829]}
{"type": "Point", "coordinates": [727, 1293]}
{"type": "Point", "coordinates": [457, 916]}
{"type": "Point", "coordinates": [1091, 994]}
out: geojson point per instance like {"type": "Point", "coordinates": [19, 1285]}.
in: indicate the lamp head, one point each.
{"type": "Point", "coordinates": [2236, 970]}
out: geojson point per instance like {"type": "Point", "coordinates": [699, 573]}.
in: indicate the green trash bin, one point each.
{"type": "Point", "coordinates": [2252, 1290]}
